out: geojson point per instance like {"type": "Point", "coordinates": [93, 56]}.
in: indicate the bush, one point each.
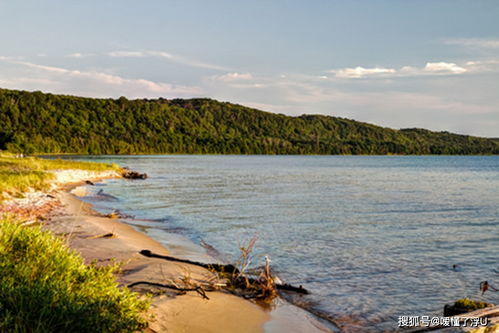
{"type": "Point", "coordinates": [470, 305]}
{"type": "Point", "coordinates": [46, 287]}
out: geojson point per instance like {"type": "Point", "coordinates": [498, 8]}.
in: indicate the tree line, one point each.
{"type": "Point", "coordinates": [36, 122]}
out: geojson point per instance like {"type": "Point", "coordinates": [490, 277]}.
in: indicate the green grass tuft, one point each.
{"type": "Point", "coordinates": [46, 287]}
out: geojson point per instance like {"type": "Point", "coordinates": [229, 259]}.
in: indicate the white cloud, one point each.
{"type": "Point", "coordinates": [22, 81]}
{"type": "Point", "coordinates": [243, 81]}
{"type": "Point", "coordinates": [127, 54]}
{"type": "Point", "coordinates": [80, 55]}
{"type": "Point", "coordinates": [360, 72]}
{"type": "Point", "coordinates": [140, 54]}
{"type": "Point", "coordinates": [43, 67]}
{"type": "Point", "coordinates": [444, 68]}
{"type": "Point", "coordinates": [475, 43]}
{"type": "Point", "coordinates": [267, 106]}
{"type": "Point", "coordinates": [231, 77]}
{"type": "Point", "coordinates": [94, 83]}
{"type": "Point", "coordinates": [8, 58]}
{"type": "Point", "coordinates": [483, 62]}
{"type": "Point", "coordinates": [431, 68]}
{"type": "Point", "coordinates": [248, 85]}
{"type": "Point", "coordinates": [161, 54]}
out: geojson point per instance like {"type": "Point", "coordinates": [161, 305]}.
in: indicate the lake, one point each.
{"type": "Point", "coordinates": [373, 237]}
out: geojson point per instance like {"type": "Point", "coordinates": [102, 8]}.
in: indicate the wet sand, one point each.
{"type": "Point", "coordinates": [171, 313]}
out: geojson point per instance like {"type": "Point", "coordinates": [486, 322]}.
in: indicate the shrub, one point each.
{"type": "Point", "coordinates": [470, 305]}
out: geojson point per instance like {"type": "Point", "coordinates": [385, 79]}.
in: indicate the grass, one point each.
{"type": "Point", "coordinates": [18, 175]}
{"type": "Point", "coordinates": [470, 305]}
{"type": "Point", "coordinates": [46, 287]}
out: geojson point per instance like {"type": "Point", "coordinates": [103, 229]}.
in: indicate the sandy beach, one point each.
{"type": "Point", "coordinates": [186, 313]}
{"type": "Point", "coordinates": [107, 240]}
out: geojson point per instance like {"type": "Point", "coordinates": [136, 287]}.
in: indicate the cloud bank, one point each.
{"type": "Point", "coordinates": [92, 83]}
{"type": "Point", "coordinates": [431, 68]}
{"type": "Point", "coordinates": [475, 43]}
{"type": "Point", "coordinates": [166, 55]}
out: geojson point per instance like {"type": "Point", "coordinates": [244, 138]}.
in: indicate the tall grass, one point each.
{"type": "Point", "coordinates": [46, 287]}
{"type": "Point", "coordinates": [17, 175]}
{"type": "Point", "coordinates": [41, 164]}
{"type": "Point", "coordinates": [14, 182]}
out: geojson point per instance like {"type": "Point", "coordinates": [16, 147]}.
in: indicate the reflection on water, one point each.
{"type": "Point", "coordinates": [372, 237]}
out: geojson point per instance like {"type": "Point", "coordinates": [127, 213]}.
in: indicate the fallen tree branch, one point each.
{"type": "Point", "coordinates": [108, 235]}
{"type": "Point", "coordinates": [230, 269]}
{"type": "Point", "coordinates": [288, 287]}
{"type": "Point", "coordinates": [199, 290]}
{"type": "Point", "coordinates": [485, 285]}
{"type": "Point", "coordinates": [214, 267]}
{"type": "Point", "coordinates": [284, 286]}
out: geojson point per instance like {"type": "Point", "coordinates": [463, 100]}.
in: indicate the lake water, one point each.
{"type": "Point", "coordinates": [373, 238]}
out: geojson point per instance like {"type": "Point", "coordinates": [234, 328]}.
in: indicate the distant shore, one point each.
{"type": "Point", "coordinates": [206, 126]}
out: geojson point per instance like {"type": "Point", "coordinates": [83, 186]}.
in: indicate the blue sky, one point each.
{"type": "Point", "coordinates": [431, 64]}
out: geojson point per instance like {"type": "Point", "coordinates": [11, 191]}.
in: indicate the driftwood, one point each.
{"type": "Point", "coordinates": [130, 174]}
{"type": "Point", "coordinates": [199, 290]}
{"type": "Point", "coordinates": [229, 269]}
{"type": "Point", "coordinates": [214, 267]}
{"type": "Point", "coordinates": [278, 286]}
{"type": "Point", "coordinates": [485, 285]}
{"type": "Point", "coordinates": [108, 235]}
{"type": "Point", "coordinates": [116, 214]}
{"type": "Point", "coordinates": [288, 287]}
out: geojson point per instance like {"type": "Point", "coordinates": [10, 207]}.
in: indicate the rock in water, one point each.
{"type": "Point", "coordinates": [130, 174]}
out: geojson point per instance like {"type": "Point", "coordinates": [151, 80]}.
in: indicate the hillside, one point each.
{"type": "Point", "coordinates": [35, 122]}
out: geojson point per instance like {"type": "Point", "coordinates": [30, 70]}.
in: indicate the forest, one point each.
{"type": "Point", "coordinates": [37, 123]}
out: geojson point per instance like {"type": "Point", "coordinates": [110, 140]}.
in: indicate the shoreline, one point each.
{"type": "Point", "coordinates": [219, 314]}
{"type": "Point", "coordinates": [282, 316]}
{"type": "Point", "coordinates": [85, 230]}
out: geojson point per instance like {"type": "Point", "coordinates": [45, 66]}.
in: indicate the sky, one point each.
{"type": "Point", "coordinates": [428, 63]}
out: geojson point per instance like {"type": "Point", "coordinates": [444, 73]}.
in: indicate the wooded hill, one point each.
{"type": "Point", "coordinates": [35, 122]}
